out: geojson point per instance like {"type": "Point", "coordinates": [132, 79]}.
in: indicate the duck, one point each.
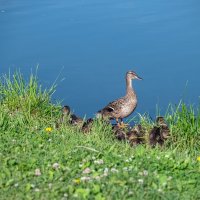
{"type": "Point", "coordinates": [124, 106]}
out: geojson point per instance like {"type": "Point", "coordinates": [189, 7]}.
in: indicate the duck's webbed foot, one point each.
{"type": "Point", "coordinates": [121, 124]}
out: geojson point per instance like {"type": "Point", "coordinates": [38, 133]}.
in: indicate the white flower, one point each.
{"type": "Point", "coordinates": [37, 190]}
{"type": "Point", "coordinates": [80, 165]}
{"type": "Point", "coordinates": [145, 173]}
{"type": "Point", "coordinates": [86, 170]}
{"type": "Point", "coordinates": [85, 178]}
{"type": "Point", "coordinates": [104, 175]}
{"type": "Point", "coordinates": [164, 184]}
{"type": "Point", "coordinates": [125, 168]}
{"type": "Point", "coordinates": [99, 162]}
{"type": "Point", "coordinates": [16, 185]}
{"type": "Point", "coordinates": [155, 173]}
{"type": "Point", "coordinates": [65, 195]}
{"type": "Point", "coordinates": [130, 193]}
{"type": "Point", "coordinates": [55, 166]}
{"type": "Point", "coordinates": [97, 177]}
{"type": "Point", "coordinates": [114, 170]}
{"type": "Point", "coordinates": [106, 170]}
{"type": "Point", "coordinates": [169, 178]}
{"type": "Point", "coordinates": [159, 190]}
{"type": "Point", "coordinates": [128, 160]}
{"type": "Point", "coordinates": [141, 181]}
{"type": "Point", "coordinates": [37, 172]}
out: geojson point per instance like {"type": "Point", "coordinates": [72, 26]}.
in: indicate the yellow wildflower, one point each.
{"type": "Point", "coordinates": [198, 158]}
{"type": "Point", "coordinates": [77, 181]}
{"type": "Point", "coordinates": [48, 129]}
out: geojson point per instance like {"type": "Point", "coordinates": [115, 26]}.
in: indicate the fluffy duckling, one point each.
{"type": "Point", "coordinates": [120, 133]}
{"type": "Point", "coordinates": [64, 117]}
{"type": "Point", "coordinates": [136, 135]}
{"type": "Point", "coordinates": [159, 133]}
{"type": "Point", "coordinates": [87, 126]}
{"type": "Point", "coordinates": [154, 137]}
{"type": "Point", "coordinates": [75, 120]}
{"type": "Point", "coordinates": [65, 112]}
{"type": "Point", "coordinates": [164, 129]}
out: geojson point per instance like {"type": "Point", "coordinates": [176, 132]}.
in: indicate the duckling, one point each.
{"type": "Point", "coordinates": [65, 112]}
{"type": "Point", "coordinates": [136, 135]}
{"type": "Point", "coordinates": [140, 130]}
{"type": "Point", "coordinates": [154, 137]}
{"type": "Point", "coordinates": [120, 134]}
{"type": "Point", "coordinates": [87, 126]}
{"type": "Point", "coordinates": [164, 129]}
{"type": "Point", "coordinates": [133, 138]}
{"type": "Point", "coordinates": [75, 120]}
{"type": "Point", "coordinates": [65, 115]}
{"type": "Point", "coordinates": [159, 133]}
{"type": "Point", "coordinates": [124, 106]}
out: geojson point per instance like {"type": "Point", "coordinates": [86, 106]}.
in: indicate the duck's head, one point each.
{"type": "Point", "coordinates": [132, 75]}
{"type": "Point", "coordinates": [66, 110]}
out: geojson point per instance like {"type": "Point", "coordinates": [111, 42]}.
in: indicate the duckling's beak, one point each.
{"type": "Point", "coordinates": [137, 77]}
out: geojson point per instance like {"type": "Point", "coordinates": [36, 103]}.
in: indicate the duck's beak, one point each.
{"type": "Point", "coordinates": [137, 77]}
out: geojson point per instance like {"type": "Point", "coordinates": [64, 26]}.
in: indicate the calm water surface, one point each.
{"type": "Point", "coordinates": [92, 44]}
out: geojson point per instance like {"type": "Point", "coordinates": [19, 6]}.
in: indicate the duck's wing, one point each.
{"type": "Point", "coordinates": [114, 106]}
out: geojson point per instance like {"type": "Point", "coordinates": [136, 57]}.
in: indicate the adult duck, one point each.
{"type": "Point", "coordinates": [123, 106]}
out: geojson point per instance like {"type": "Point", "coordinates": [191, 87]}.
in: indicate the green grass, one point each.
{"type": "Point", "coordinates": [117, 171]}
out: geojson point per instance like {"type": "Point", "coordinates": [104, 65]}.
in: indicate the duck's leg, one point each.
{"type": "Point", "coordinates": [117, 120]}
{"type": "Point", "coordinates": [121, 124]}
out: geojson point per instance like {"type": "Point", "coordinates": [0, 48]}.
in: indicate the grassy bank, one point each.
{"type": "Point", "coordinates": [40, 161]}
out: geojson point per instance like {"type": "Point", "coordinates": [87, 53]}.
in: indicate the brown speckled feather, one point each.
{"type": "Point", "coordinates": [124, 106]}
{"type": "Point", "coordinates": [119, 108]}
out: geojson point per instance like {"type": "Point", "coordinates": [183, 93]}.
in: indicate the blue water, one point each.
{"type": "Point", "coordinates": [91, 44]}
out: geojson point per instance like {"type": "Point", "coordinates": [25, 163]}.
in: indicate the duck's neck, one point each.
{"type": "Point", "coordinates": [129, 88]}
